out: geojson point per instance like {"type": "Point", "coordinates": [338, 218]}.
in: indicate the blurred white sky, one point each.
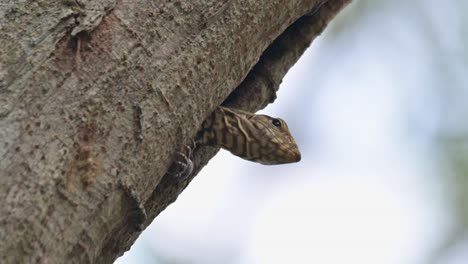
{"type": "Point", "coordinates": [364, 107]}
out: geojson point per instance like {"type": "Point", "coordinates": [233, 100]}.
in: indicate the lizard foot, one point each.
{"type": "Point", "coordinates": [182, 167]}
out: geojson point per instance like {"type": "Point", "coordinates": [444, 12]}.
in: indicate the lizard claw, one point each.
{"type": "Point", "coordinates": [182, 167]}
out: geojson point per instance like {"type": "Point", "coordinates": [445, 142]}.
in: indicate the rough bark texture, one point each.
{"type": "Point", "coordinates": [96, 97]}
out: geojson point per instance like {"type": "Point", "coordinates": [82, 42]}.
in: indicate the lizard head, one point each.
{"type": "Point", "coordinates": [275, 142]}
{"type": "Point", "coordinates": [258, 138]}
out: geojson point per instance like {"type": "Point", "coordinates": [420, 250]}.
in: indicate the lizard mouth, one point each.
{"type": "Point", "coordinates": [297, 156]}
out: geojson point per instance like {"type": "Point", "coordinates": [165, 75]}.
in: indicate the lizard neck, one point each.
{"type": "Point", "coordinates": [227, 128]}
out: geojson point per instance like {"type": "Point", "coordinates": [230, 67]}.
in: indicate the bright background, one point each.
{"type": "Point", "coordinates": [379, 107]}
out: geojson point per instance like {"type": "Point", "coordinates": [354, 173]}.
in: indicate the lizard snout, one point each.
{"type": "Point", "coordinates": [296, 156]}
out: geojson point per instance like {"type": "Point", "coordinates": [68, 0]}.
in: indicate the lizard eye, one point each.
{"type": "Point", "coordinates": [276, 122]}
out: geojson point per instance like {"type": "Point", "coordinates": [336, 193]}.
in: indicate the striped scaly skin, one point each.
{"type": "Point", "coordinates": [258, 138]}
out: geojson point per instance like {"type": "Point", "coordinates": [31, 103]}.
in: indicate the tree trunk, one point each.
{"type": "Point", "coordinates": [96, 98]}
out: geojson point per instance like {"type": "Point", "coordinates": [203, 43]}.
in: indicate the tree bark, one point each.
{"type": "Point", "coordinates": [96, 98]}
